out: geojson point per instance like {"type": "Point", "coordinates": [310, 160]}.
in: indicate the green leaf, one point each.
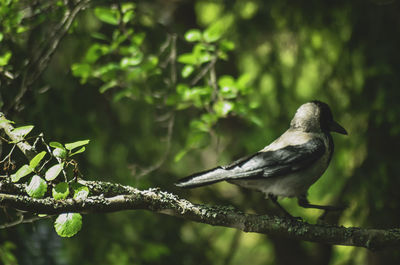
{"type": "Point", "coordinates": [80, 191]}
{"type": "Point", "coordinates": [193, 35]}
{"type": "Point", "coordinates": [60, 191]}
{"type": "Point", "coordinates": [180, 155]}
{"type": "Point", "coordinates": [60, 153]}
{"type": "Point", "coordinates": [36, 160]}
{"type": "Point", "coordinates": [125, 7]}
{"type": "Point", "coordinates": [76, 144]}
{"type": "Point", "coordinates": [243, 82]}
{"type": "Point", "coordinates": [222, 108]}
{"type": "Point", "coordinates": [132, 61]}
{"type": "Point", "coordinates": [5, 58]}
{"type": "Point", "coordinates": [228, 87]}
{"type": "Point", "coordinates": [23, 130]}
{"type": "Point", "coordinates": [217, 29]}
{"type": "Point", "coordinates": [187, 58]}
{"type": "Point", "coordinates": [99, 36]}
{"type": "Point", "coordinates": [6, 121]}
{"type": "Point", "coordinates": [128, 16]}
{"type": "Point", "coordinates": [82, 70]}
{"type": "Point", "coordinates": [68, 224]}
{"type": "Point", "coordinates": [22, 172]}
{"type": "Point", "coordinates": [37, 187]}
{"type": "Point", "coordinates": [108, 85]}
{"type": "Point", "coordinates": [107, 71]}
{"type": "Point", "coordinates": [81, 150]}
{"type": "Point", "coordinates": [95, 52]}
{"type": "Point", "coordinates": [53, 172]}
{"type": "Point", "coordinates": [110, 16]}
{"type": "Point", "coordinates": [56, 145]}
{"type": "Point", "coordinates": [226, 45]}
{"type": "Point", "coordinates": [138, 38]}
{"type": "Point", "coordinates": [187, 71]}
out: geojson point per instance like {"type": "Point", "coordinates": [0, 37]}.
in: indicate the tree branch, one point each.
{"type": "Point", "coordinates": [159, 201]}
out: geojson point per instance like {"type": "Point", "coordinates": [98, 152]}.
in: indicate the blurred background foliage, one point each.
{"type": "Point", "coordinates": [167, 88]}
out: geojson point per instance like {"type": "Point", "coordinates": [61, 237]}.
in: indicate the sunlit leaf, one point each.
{"type": "Point", "coordinates": [23, 130]}
{"type": "Point", "coordinates": [243, 82]}
{"type": "Point", "coordinates": [187, 71]}
{"type": "Point", "coordinates": [200, 125]}
{"type": "Point", "coordinates": [36, 160]}
{"type": "Point", "coordinates": [54, 171]}
{"type": "Point", "coordinates": [228, 87]}
{"type": "Point", "coordinates": [81, 150]}
{"type": "Point", "coordinates": [128, 16]}
{"type": "Point", "coordinates": [150, 63]}
{"type": "Point", "coordinates": [22, 172]}
{"type": "Point", "coordinates": [80, 191]}
{"type": "Point", "coordinates": [60, 191]}
{"type": "Point", "coordinates": [82, 70]}
{"type": "Point", "coordinates": [108, 85]}
{"type": "Point", "coordinates": [110, 16]}
{"type": "Point", "coordinates": [107, 71]}
{"type": "Point", "coordinates": [76, 144]}
{"type": "Point", "coordinates": [138, 38]}
{"type": "Point", "coordinates": [204, 57]}
{"type": "Point", "coordinates": [6, 121]}
{"type": "Point", "coordinates": [99, 36]}
{"type": "Point", "coordinates": [68, 224]}
{"type": "Point", "coordinates": [217, 29]}
{"type": "Point", "coordinates": [187, 58]}
{"type": "Point", "coordinates": [56, 145]}
{"type": "Point", "coordinates": [180, 155]}
{"type": "Point", "coordinates": [226, 45]}
{"type": "Point", "coordinates": [60, 153]}
{"type": "Point", "coordinates": [5, 58]}
{"type": "Point", "coordinates": [222, 108]}
{"type": "Point", "coordinates": [193, 35]}
{"type": "Point", "coordinates": [37, 187]}
{"type": "Point", "coordinates": [132, 61]}
{"type": "Point", "coordinates": [182, 88]}
{"type": "Point", "coordinates": [95, 52]}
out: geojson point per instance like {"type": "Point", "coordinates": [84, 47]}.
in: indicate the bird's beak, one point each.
{"type": "Point", "coordinates": [336, 127]}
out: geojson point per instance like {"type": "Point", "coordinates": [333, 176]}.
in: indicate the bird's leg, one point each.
{"type": "Point", "coordinates": [274, 199]}
{"type": "Point", "coordinates": [303, 202]}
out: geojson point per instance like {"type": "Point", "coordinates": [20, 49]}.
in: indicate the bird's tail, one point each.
{"type": "Point", "coordinates": [204, 178]}
{"type": "Point", "coordinates": [215, 175]}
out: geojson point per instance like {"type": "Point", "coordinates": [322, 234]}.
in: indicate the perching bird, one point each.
{"type": "Point", "coordinates": [289, 165]}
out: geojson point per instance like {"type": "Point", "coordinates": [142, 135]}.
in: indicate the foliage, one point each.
{"type": "Point", "coordinates": [166, 88]}
{"type": "Point", "coordinates": [36, 186]}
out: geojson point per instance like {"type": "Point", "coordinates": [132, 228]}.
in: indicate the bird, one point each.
{"type": "Point", "coordinates": [288, 166]}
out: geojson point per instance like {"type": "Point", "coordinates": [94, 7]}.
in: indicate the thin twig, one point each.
{"type": "Point", "coordinates": [40, 60]}
{"type": "Point", "coordinates": [9, 154]}
{"type": "Point", "coordinates": [172, 59]}
{"type": "Point", "coordinates": [22, 220]}
{"type": "Point", "coordinates": [164, 157]}
{"type": "Point", "coordinates": [204, 71]}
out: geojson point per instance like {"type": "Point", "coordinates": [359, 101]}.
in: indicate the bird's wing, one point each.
{"type": "Point", "coordinates": [260, 165]}
{"type": "Point", "coordinates": [278, 162]}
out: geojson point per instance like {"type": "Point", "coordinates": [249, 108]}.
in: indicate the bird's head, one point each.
{"type": "Point", "coordinates": [315, 116]}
